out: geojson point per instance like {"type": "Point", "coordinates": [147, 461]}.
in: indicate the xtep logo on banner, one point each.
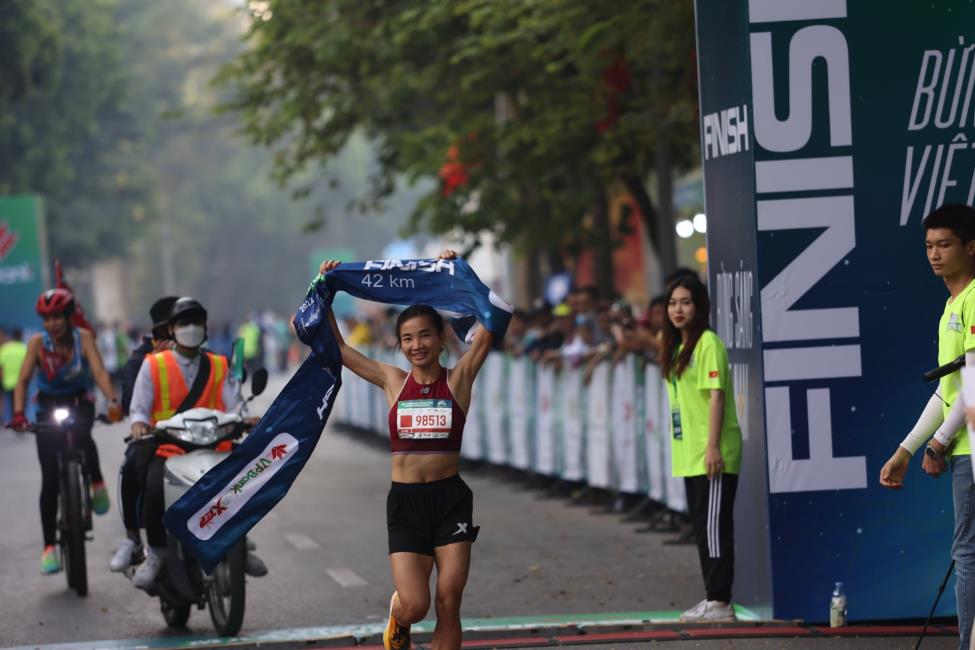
{"type": "Point", "coordinates": [812, 191]}
{"type": "Point", "coordinates": [213, 516]}
{"type": "Point", "coordinates": [8, 239]}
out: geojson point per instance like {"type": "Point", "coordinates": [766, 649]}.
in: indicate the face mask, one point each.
{"type": "Point", "coordinates": [190, 336]}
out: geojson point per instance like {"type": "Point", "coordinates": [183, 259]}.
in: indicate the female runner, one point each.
{"type": "Point", "coordinates": [429, 509]}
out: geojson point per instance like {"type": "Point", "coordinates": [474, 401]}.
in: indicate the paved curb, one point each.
{"type": "Point", "coordinates": [522, 632]}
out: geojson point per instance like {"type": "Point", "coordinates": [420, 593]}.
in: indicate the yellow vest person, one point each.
{"type": "Point", "coordinates": [170, 389]}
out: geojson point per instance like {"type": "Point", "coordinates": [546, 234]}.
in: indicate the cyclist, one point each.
{"type": "Point", "coordinates": [69, 364]}
{"type": "Point", "coordinates": [429, 509]}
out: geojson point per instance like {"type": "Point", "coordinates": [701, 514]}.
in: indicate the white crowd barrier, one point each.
{"type": "Point", "coordinates": [610, 434]}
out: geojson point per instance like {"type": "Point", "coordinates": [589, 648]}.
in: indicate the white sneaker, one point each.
{"type": "Point", "coordinates": [146, 574]}
{"type": "Point", "coordinates": [694, 612]}
{"type": "Point", "coordinates": [123, 555]}
{"type": "Point", "coordinates": [714, 612]}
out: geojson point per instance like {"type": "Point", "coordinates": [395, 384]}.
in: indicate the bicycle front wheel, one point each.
{"type": "Point", "coordinates": [73, 527]}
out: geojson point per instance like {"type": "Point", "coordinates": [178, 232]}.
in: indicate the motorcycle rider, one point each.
{"type": "Point", "coordinates": [69, 364]}
{"type": "Point", "coordinates": [140, 452]}
{"type": "Point", "coordinates": [163, 387]}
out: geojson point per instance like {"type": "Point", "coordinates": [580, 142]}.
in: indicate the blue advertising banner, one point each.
{"type": "Point", "coordinates": [857, 120]}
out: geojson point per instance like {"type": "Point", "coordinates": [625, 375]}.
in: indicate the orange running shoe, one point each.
{"type": "Point", "coordinates": [396, 636]}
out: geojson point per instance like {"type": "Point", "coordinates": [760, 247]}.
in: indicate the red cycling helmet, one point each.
{"type": "Point", "coordinates": [55, 301]}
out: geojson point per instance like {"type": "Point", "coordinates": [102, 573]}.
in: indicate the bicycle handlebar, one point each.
{"type": "Point", "coordinates": [54, 427]}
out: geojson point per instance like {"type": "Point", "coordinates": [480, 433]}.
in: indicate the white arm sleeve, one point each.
{"type": "Point", "coordinates": [143, 394]}
{"type": "Point", "coordinates": [956, 419]}
{"type": "Point", "coordinates": [956, 416]}
{"type": "Point", "coordinates": [930, 418]}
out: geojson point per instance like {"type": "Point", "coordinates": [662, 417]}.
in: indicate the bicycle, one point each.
{"type": "Point", "coordinates": [74, 497]}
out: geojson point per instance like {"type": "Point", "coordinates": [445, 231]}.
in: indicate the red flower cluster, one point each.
{"type": "Point", "coordinates": [453, 173]}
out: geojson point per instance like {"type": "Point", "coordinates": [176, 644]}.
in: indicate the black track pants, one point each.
{"type": "Point", "coordinates": [711, 504]}
{"type": "Point", "coordinates": [154, 505]}
{"type": "Point", "coordinates": [132, 479]}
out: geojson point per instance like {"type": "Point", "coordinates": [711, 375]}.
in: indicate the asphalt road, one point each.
{"type": "Point", "coordinates": [325, 545]}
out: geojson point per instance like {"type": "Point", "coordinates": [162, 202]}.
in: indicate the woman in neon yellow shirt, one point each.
{"type": "Point", "coordinates": [705, 438]}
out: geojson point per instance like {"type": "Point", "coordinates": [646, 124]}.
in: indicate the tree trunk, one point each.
{"type": "Point", "coordinates": [603, 249]}
{"type": "Point", "coordinates": [527, 267]}
{"type": "Point", "coordinates": [553, 257]}
{"type": "Point", "coordinates": [667, 246]}
{"type": "Point", "coordinates": [648, 212]}
{"type": "Point", "coordinates": [659, 233]}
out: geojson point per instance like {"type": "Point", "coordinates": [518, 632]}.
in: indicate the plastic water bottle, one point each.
{"type": "Point", "coordinates": [837, 607]}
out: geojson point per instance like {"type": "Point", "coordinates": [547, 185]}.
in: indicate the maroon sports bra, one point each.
{"type": "Point", "coordinates": [426, 419]}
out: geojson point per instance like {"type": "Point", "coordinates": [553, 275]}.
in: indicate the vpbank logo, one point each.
{"type": "Point", "coordinates": [214, 515]}
{"type": "Point", "coordinates": [8, 240]}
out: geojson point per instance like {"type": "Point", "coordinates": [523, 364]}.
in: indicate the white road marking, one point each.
{"type": "Point", "coordinates": [347, 577]}
{"type": "Point", "coordinates": [301, 541]}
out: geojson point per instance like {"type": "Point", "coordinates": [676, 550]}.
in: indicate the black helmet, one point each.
{"type": "Point", "coordinates": [160, 311]}
{"type": "Point", "coordinates": [186, 308]}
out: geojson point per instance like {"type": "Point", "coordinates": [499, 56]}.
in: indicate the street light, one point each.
{"type": "Point", "coordinates": [700, 222]}
{"type": "Point", "coordinates": [684, 228]}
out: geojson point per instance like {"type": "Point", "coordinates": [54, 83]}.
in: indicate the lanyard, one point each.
{"type": "Point", "coordinates": [673, 374]}
{"type": "Point", "coordinates": [677, 429]}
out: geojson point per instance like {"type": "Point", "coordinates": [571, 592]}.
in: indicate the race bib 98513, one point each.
{"type": "Point", "coordinates": [423, 419]}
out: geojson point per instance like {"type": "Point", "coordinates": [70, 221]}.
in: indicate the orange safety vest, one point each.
{"type": "Point", "coordinates": [170, 390]}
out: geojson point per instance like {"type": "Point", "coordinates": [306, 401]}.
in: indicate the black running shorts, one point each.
{"type": "Point", "coordinates": [422, 516]}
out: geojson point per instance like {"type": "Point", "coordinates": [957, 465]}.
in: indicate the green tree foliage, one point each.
{"type": "Point", "coordinates": [28, 49]}
{"type": "Point", "coordinates": [65, 131]}
{"type": "Point", "coordinates": [107, 110]}
{"type": "Point", "coordinates": [237, 240]}
{"type": "Point", "coordinates": [550, 104]}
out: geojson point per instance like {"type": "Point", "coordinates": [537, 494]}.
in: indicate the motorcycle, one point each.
{"type": "Point", "coordinates": [207, 437]}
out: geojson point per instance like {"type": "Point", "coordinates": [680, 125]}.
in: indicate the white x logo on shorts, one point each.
{"type": "Point", "coordinates": [461, 528]}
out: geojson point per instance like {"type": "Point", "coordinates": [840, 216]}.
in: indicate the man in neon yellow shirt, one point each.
{"type": "Point", "coordinates": [12, 354]}
{"type": "Point", "coordinates": [251, 333]}
{"type": "Point", "coordinates": [950, 244]}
